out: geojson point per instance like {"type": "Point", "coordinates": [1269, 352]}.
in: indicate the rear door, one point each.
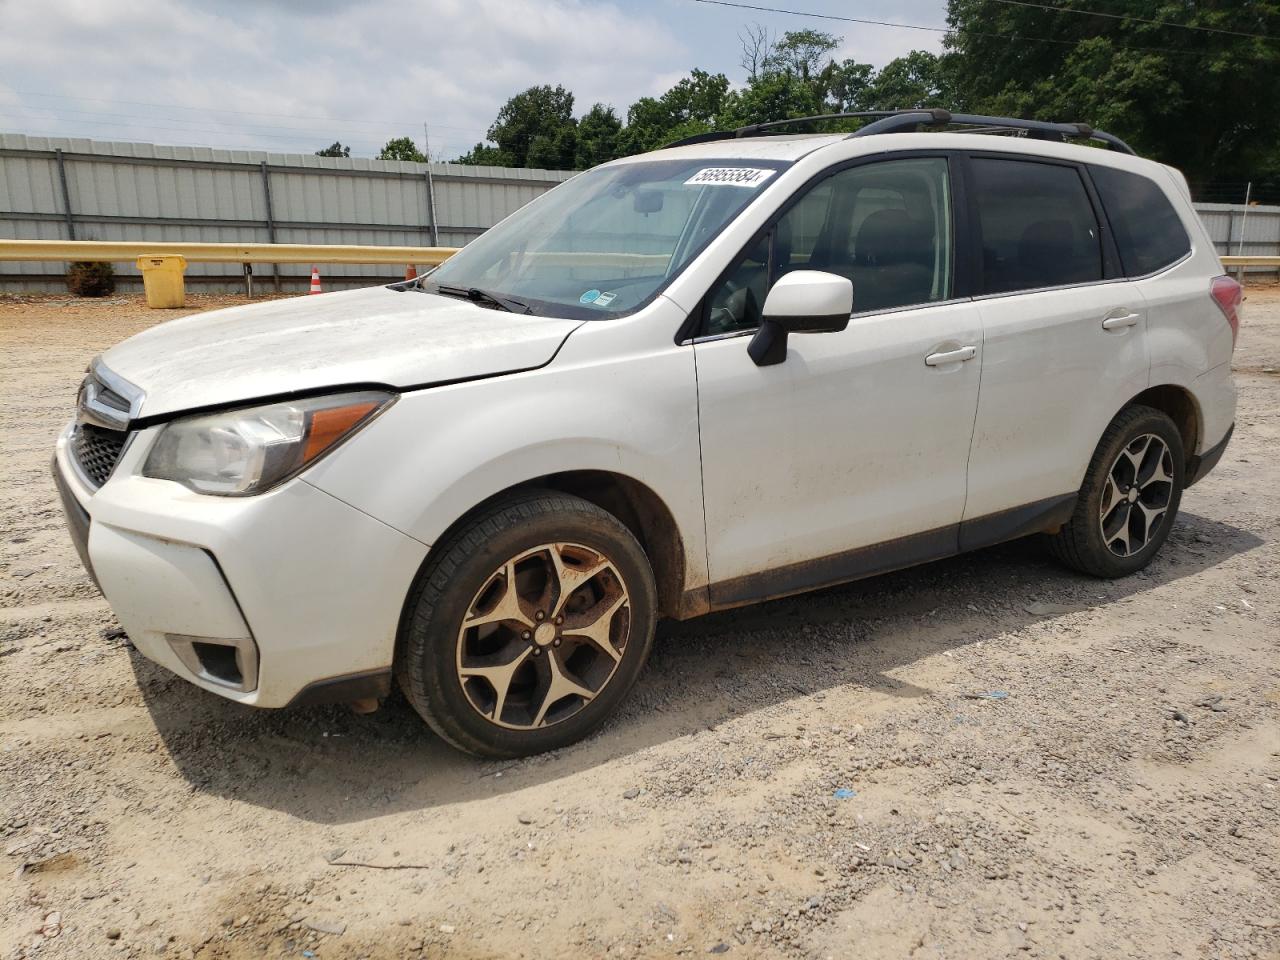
{"type": "Point", "coordinates": [1064, 334]}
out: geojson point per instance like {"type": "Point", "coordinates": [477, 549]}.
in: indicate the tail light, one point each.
{"type": "Point", "coordinates": [1228, 295]}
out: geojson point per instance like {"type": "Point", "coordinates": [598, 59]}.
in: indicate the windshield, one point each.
{"type": "Point", "coordinates": [607, 241]}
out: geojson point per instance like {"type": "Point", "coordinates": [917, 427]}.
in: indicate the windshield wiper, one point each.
{"type": "Point", "coordinates": [476, 295]}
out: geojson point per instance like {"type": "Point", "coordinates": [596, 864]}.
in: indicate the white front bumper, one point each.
{"type": "Point", "coordinates": [309, 587]}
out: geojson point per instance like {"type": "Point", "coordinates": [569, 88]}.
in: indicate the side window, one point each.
{"type": "Point", "coordinates": [1148, 232]}
{"type": "Point", "coordinates": [886, 226]}
{"type": "Point", "coordinates": [735, 304]}
{"type": "Point", "coordinates": [1038, 226]}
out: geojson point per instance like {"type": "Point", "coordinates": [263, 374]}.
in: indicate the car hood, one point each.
{"type": "Point", "coordinates": [375, 335]}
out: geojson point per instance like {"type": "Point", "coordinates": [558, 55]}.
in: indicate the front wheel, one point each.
{"type": "Point", "coordinates": [1129, 498]}
{"type": "Point", "coordinates": [528, 626]}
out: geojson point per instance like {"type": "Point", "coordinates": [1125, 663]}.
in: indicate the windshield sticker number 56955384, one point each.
{"type": "Point", "coordinates": [749, 177]}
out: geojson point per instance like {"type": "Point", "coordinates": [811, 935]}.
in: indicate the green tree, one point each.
{"type": "Point", "coordinates": [847, 84]}
{"type": "Point", "coordinates": [599, 131]}
{"type": "Point", "coordinates": [915, 80]}
{"type": "Point", "coordinates": [691, 106]}
{"type": "Point", "coordinates": [335, 149]}
{"type": "Point", "coordinates": [795, 77]}
{"type": "Point", "coordinates": [537, 128]}
{"type": "Point", "coordinates": [698, 98]}
{"type": "Point", "coordinates": [401, 148]}
{"type": "Point", "coordinates": [485, 155]}
{"type": "Point", "coordinates": [555, 150]}
{"type": "Point", "coordinates": [800, 53]}
{"type": "Point", "coordinates": [1200, 101]}
{"type": "Point", "coordinates": [773, 96]}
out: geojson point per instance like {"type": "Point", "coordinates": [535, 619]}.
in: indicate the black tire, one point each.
{"type": "Point", "coordinates": [1080, 544]}
{"type": "Point", "coordinates": [459, 568]}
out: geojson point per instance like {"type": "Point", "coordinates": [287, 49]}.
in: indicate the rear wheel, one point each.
{"type": "Point", "coordinates": [1129, 499]}
{"type": "Point", "coordinates": [528, 627]}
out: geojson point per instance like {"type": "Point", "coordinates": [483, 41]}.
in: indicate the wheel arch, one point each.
{"type": "Point", "coordinates": [1180, 405]}
{"type": "Point", "coordinates": [648, 518]}
{"type": "Point", "coordinates": [639, 508]}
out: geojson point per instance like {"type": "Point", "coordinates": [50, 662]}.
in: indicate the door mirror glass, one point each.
{"type": "Point", "coordinates": [804, 301]}
{"type": "Point", "coordinates": [810, 301]}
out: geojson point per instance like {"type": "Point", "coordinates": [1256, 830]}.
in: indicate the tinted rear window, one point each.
{"type": "Point", "coordinates": [1038, 227]}
{"type": "Point", "coordinates": [1148, 232]}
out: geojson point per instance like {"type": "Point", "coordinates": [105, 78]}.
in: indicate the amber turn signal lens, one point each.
{"type": "Point", "coordinates": [329, 426]}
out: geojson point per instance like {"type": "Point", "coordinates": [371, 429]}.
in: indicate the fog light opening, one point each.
{"type": "Point", "coordinates": [228, 663]}
{"type": "Point", "coordinates": [220, 662]}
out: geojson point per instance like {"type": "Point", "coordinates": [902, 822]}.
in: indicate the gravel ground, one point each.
{"type": "Point", "coordinates": [1037, 764]}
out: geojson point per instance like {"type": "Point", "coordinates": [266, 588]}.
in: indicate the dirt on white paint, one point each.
{"type": "Point", "coordinates": [983, 757]}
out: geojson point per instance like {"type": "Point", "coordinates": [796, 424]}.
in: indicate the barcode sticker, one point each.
{"type": "Point", "coordinates": [749, 177]}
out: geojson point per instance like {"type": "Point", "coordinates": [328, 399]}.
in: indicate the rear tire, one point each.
{"type": "Point", "coordinates": [1129, 499]}
{"type": "Point", "coordinates": [527, 626]}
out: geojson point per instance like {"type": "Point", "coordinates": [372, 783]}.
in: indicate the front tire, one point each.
{"type": "Point", "coordinates": [1129, 499]}
{"type": "Point", "coordinates": [527, 626]}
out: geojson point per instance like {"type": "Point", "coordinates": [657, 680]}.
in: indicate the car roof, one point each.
{"type": "Point", "coordinates": [784, 147]}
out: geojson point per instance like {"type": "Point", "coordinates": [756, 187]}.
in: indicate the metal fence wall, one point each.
{"type": "Point", "coordinates": [55, 188]}
{"type": "Point", "coordinates": [1241, 231]}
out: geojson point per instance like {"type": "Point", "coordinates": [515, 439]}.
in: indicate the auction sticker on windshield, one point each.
{"type": "Point", "coordinates": [729, 177]}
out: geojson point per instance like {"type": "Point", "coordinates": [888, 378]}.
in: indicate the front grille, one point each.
{"type": "Point", "coordinates": [96, 451]}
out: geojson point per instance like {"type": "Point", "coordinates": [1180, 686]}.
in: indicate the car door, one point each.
{"type": "Point", "coordinates": [848, 457]}
{"type": "Point", "coordinates": [1064, 339]}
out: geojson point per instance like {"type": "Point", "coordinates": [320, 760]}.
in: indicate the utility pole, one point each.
{"type": "Point", "coordinates": [1244, 222]}
{"type": "Point", "coordinates": [431, 187]}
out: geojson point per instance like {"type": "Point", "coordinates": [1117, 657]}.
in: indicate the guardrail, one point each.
{"type": "Point", "coordinates": [95, 250]}
{"type": "Point", "coordinates": [165, 286]}
{"type": "Point", "coordinates": [1237, 265]}
{"type": "Point", "coordinates": [249, 253]}
{"type": "Point", "coordinates": [1250, 261]}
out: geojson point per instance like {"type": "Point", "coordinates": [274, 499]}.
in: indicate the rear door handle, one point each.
{"type": "Point", "coordinates": [950, 356]}
{"type": "Point", "coordinates": [1120, 320]}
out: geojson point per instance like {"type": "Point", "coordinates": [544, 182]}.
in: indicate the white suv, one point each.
{"type": "Point", "coordinates": [721, 372]}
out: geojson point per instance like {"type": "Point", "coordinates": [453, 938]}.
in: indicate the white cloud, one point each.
{"type": "Point", "coordinates": [260, 71]}
{"type": "Point", "coordinates": [451, 63]}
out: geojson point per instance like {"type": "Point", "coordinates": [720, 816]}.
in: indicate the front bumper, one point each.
{"type": "Point", "coordinates": [289, 596]}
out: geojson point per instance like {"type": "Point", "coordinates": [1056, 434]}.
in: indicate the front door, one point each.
{"type": "Point", "coordinates": [849, 457]}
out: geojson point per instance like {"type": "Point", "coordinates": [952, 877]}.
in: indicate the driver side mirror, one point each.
{"type": "Point", "coordinates": [803, 301]}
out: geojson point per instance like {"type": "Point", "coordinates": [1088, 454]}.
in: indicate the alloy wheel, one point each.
{"type": "Point", "coordinates": [543, 636]}
{"type": "Point", "coordinates": [1136, 495]}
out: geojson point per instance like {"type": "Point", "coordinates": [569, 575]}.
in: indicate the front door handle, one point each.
{"type": "Point", "coordinates": [950, 356]}
{"type": "Point", "coordinates": [1121, 320]}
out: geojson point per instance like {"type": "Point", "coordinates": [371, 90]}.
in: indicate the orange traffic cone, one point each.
{"type": "Point", "coordinates": [315, 280]}
{"type": "Point", "coordinates": [411, 272]}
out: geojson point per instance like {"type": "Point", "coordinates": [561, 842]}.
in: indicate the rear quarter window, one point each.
{"type": "Point", "coordinates": [1148, 231]}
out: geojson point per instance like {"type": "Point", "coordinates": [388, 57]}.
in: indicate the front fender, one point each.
{"type": "Point", "coordinates": [439, 452]}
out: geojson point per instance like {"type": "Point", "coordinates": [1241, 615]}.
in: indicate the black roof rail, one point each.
{"type": "Point", "coordinates": [751, 129]}
{"type": "Point", "coordinates": [906, 120]}
{"type": "Point", "coordinates": [900, 121]}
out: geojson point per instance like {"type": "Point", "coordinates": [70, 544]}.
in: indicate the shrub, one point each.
{"type": "Point", "coordinates": [86, 279]}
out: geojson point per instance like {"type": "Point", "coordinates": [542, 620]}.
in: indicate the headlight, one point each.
{"type": "Point", "coordinates": [242, 452]}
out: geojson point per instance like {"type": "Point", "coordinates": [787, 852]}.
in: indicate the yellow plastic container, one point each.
{"type": "Point", "coordinates": [162, 281]}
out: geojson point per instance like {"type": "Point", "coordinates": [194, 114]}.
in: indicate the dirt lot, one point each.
{"type": "Point", "coordinates": [1042, 764]}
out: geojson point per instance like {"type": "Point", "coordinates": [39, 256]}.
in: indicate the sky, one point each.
{"type": "Point", "coordinates": [296, 75]}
